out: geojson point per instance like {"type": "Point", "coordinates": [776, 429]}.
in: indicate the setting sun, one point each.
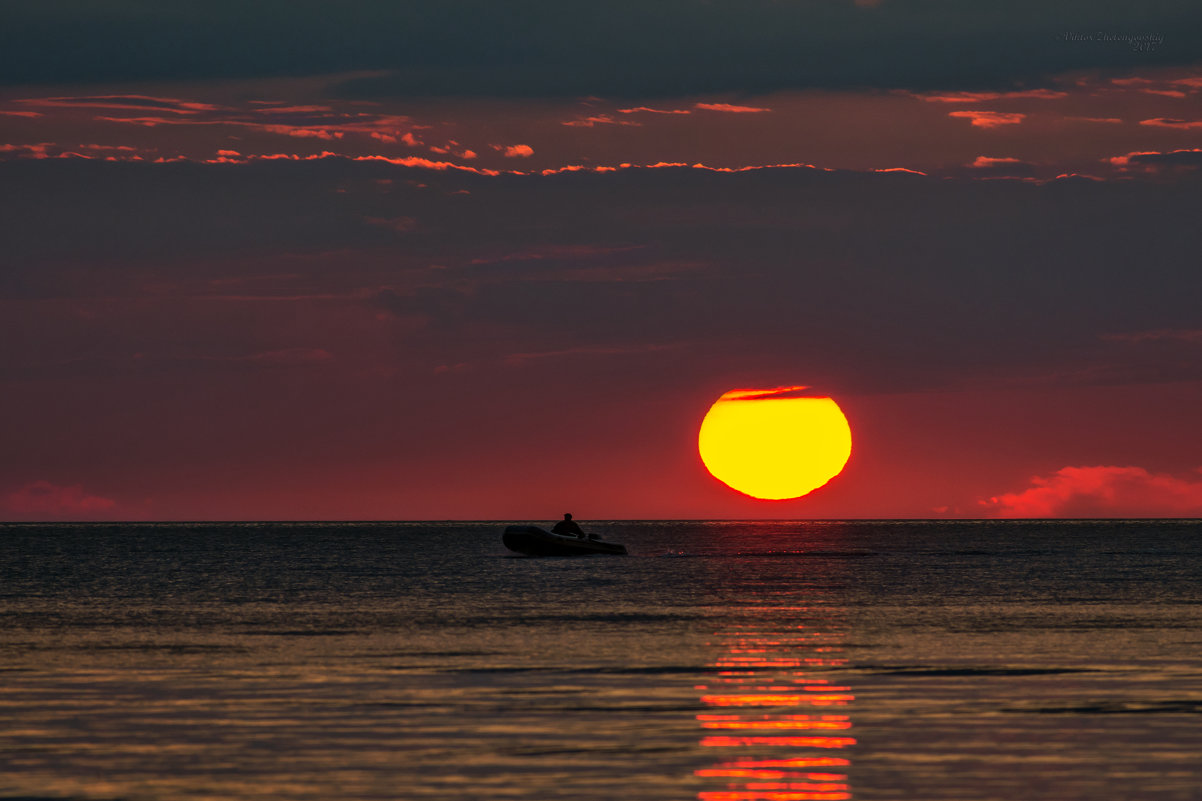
{"type": "Point", "coordinates": [774, 444]}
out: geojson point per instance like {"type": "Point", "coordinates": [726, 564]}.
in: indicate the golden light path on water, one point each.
{"type": "Point", "coordinates": [779, 728]}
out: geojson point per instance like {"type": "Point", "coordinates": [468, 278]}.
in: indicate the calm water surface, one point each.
{"type": "Point", "coordinates": [718, 662]}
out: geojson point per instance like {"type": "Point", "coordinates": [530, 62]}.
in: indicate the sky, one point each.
{"type": "Point", "coordinates": [477, 260]}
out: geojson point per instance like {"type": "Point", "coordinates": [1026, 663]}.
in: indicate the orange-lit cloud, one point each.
{"type": "Point", "coordinates": [1168, 122]}
{"type": "Point", "coordinates": [988, 161]}
{"type": "Point", "coordinates": [731, 109]}
{"type": "Point", "coordinates": [1154, 159]}
{"type": "Point", "coordinates": [518, 151]}
{"type": "Point", "coordinates": [987, 167]}
{"type": "Point", "coordinates": [989, 119]}
{"type": "Point", "coordinates": [42, 500]}
{"type": "Point", "coordinates": [1101, 491]}
{"type": "Point", "coordinates": [35, 151]}
{"type": "Point", "coordinates": [649, 110]}
{"type": "Point", "coordinates": [407, 161]}
{"type": "Point", "coordinates": [29, 114]}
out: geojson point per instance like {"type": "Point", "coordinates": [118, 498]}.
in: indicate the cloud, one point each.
{"type": "Point", "coordinates": [1152, 159]}
{"type": "Point", "coordinates": [1004, 167]}
{"type": "Point", "coordinates": [136, 102]}
{"type": "Point", "coordinates": [519, 151]}
{"type": "Point", "coordinates": [598, 119]}
{"type": "Point", "coordinates": [989, 119]}
{"type": "Point", "coordinates": [648, 110]}
{"type": "Point", "coordinates": [37, 151]}
{"type": "Point", "coordinates": [900, 169]}
{"type": "Point", "coordinates": [988, 161]}
{"type": "Point", "coordinates": [1168, 122]}
{"type": "Point", "coordinates": [29, 114]}
{"type": "Point", "coordinates": [1101, 491]}
{"type": "Point", "coordinates": [727, 107]}
{"type": "Point", "coordinates": [314, 122]}
{"type": "Point", "coordinates": [982, 97]}
{"type": "Point", "coordinates": [961, 325]}
{"type": "Point", "coordinates": [41, 500]}
{"type": "Point", "coordinates": [480, 48]}
{"type": "Point", "coordinates": [305, 133]}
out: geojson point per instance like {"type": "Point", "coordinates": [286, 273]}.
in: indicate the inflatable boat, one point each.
{"type": "Point", "coordinates": [535, 541]}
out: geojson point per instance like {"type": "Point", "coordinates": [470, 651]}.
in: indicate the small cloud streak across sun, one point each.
{"type": "Point", "coordinates": [1101, 491]}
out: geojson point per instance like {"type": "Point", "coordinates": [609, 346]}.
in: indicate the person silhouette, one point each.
{"type": "Point", "coordinates": [568, 527]}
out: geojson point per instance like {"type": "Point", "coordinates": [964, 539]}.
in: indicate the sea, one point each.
{"type": "Point", "coordinates": [718, 661]}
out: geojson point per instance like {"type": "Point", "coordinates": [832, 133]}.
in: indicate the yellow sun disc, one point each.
{"type": "Point", "coordinates": [771, 444]}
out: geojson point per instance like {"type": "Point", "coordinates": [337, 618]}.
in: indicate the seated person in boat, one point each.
{"type": "Point", "coordinates": [568, 527]}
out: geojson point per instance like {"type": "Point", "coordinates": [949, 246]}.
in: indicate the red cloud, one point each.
{"type": "Point", "coordinates": [727, 107]}
{"type": "Point", "coordinates": [519, 151]}
{"type": "Point", "coordinates": [649, 110]}
{"type": "Point", "coordinates": [989, 119]}
{"type": "Point", "coordinates": [38, 151]}
{"type": "Point", "coordinates": [409, 161]}
{"type": "Point", "coordinates": [42, 500]}
{"type": "Point", "coordinates": [1152, 160]}
{"type": "Point", "coordinates": [987, 161]}
{"type": "Point", "coordinates": [1102, 491]}
{"type": "Point", "coordinates": [1167, 122]}
{"type": "Point", "coordinates": [598, 119]}
{"type": "Point", "coordinates": [304, 133]}
{"type": "Point", "coordinates": [30, 114]}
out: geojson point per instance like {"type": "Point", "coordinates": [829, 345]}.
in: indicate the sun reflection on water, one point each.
{"type": "Point", "coordinates": [776, 721]}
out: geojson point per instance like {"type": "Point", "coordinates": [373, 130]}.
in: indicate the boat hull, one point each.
{"type": "Point", "coordinates": [535, 541]}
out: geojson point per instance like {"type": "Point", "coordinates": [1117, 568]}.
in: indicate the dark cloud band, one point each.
{"type": "Point", "coordinates": [618, 48]}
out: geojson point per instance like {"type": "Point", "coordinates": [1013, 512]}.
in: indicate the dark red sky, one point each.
{"type": "Point", "coordinates": [263, 274]}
